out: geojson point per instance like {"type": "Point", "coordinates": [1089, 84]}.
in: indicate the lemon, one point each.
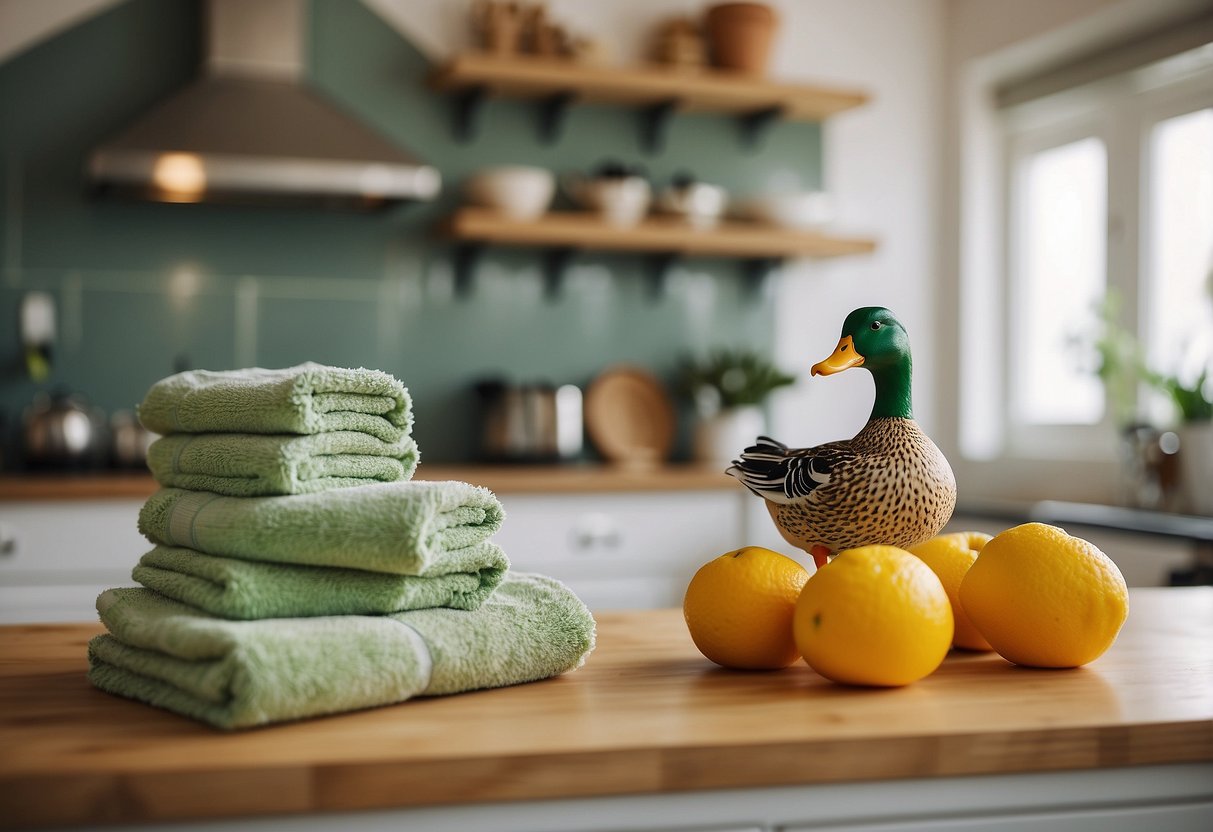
{"type": "Point", "coordinates": [950, 556]}
{"type": "Point", "coordinates": [739, 608]}
{"type": "Point", "coordinates": [875, 615]}
{"type": "Point", "coordinates": [1044, 598]}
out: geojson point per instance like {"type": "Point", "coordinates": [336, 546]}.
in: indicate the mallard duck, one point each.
{"type": "Point", "coordinates": [889, 484]}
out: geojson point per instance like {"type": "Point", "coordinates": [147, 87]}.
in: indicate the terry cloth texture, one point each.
{"type": "Point", "coordinates": [236, 674]}
{"type": "Point", "coordinates": [252, 465]}
{"type": "Point", "coordinates": [243, 589]}
{"type": "Point", "coordinates": [307, 399]}
{"type": "Point", "coordinates": [405, 528]}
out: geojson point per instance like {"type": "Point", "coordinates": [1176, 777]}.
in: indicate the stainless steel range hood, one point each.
{"type": "Point", "coordinates": [250, 131]}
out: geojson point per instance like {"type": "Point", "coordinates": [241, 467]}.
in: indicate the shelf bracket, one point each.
{"type": "Point", "coordinates": [659, 266]}
{"type": "Point", "coordinates": [464, 261]}
{"type": "Point", "coordinates": [468, 104]}
{"type": "Point", "coordinates": [758, 272]}
{"type": "Point", "coordinates": [655, 124]}
{"type": "Point", "coordinates": [555, 262]}
{"type": "Point", "coordinates": [553, 112]}
{"type": "Point", "coordinates": [756, 125]}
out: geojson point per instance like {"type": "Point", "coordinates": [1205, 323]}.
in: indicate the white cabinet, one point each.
{"type": "Point", "coordinates": [57, 556]}
{"type": "Point", "coordinates": [622, 550]}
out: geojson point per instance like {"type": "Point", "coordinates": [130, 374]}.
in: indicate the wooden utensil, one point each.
{"type": "Point", "coordinates": [630, 417]}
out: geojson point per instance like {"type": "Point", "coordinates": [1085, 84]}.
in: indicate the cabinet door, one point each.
{"type": "Point", "coordinates": [621, 551]}
{"type": "Point", "coordinates": [56, 557]}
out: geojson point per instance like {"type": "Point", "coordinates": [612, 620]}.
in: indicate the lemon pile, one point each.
{"type": "Point", "coordinates": [884, 616]}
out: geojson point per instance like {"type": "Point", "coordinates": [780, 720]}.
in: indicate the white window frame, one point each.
{"type": "Point", "coordinates": [1122, 112]}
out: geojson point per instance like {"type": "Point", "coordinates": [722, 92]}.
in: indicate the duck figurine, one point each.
{"type": "Point", "coordinates": [889, 484]}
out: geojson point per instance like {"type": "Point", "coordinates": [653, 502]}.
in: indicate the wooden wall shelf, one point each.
{"type": "Point", "coordinates": [657, 91]}
{"type": "Point", "coordinates": [665, 239]}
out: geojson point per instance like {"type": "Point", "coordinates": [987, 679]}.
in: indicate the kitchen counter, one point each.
{"type": "Point", "coordinates": [503, 479]}
{"type": "Point", "coordinates": [646, 715]}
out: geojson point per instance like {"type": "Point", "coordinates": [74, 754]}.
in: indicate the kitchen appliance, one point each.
{"type": "Point", "coordinates": [251, 131]}
{"type": "Point", "coordinates": [518, 192]}
{"type": "Point", "coordinates": [61, 431]}
{"type": "Point", "coordinates": [529, 422]}
{"type": "Point", "coordinates": [129, 440]}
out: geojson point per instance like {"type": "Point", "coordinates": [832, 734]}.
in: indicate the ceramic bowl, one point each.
{"type": "Point", "coordinates": [803, 210]}
{"type": "Point", "coordinates": [620, 200]}
{"type": "Point", "coordinates": [520, 193]}
{"type": "Point", "coordinates": [698, 204]}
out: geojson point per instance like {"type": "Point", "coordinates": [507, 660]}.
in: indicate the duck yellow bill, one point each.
{"type": "Point", "coordinates": [843, 358]}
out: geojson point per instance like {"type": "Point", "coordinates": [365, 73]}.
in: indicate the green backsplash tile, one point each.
{"type": "Point", "coordinates": [342, 288]}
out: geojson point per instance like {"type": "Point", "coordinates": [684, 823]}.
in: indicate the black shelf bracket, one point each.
{"type": "Point", "coordinates": [553, 112]}
{"type": "Point", "coordinates": [658, 271]}
{"type": "Point", "coordinates": [468, 105]}
{"type": "Point", "coordinates": [464, 261]}
{"type": "Point", "coordinates": [655, 124]}
{"type": "Point", "coordinates": [758, 271]}
{"type": "Point", "coordinates": [756, 125]}
{"type": "Point", "coordinates": [555, 263]}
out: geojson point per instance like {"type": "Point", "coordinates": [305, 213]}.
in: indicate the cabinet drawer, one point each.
{"type": "Point", "coordinates": [76, 536]}
{"type": "Point", "coordinates": [614, 536]}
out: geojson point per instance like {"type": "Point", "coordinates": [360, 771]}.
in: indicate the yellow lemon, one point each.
{"type": "Point", "coordinates": [1045, 599]}
{"type": "Point", "coordinates": [739, 607]}
{"type": "Point", "coordinates": [950, 556]}
{"type": "Point", "coordinates": [875, 615]}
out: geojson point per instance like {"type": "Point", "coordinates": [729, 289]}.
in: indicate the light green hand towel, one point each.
{"type": "Point", "coordinates": [251, 465]}
{"type": "Point", "coordinates": [243, 589]}
{"type": "Point", "coordinates": [406, 528]}
{"type": "Point", "coordinates": [236, 674]}
{"type": "Point", "coordinates": [310, 398]}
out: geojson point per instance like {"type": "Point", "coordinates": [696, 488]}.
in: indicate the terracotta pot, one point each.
{"type": "Point", "coordinates": [740, 35]}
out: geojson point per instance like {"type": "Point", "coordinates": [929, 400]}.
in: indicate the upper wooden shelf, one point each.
{"type": "Point", "coordinates": [658, 91]}
{"type": "Point", "coordinates": [656, 235]}
{"type": "Point", "coordinates": [703, 90]}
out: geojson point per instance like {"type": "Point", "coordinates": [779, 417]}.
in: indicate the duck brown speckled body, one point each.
{"type": "Point", "coordinates": [890, 484]}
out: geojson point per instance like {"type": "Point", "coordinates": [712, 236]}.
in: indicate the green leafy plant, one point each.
{"type": "Point", "coordinates": [730, 378]}
{"type": "Point", "coordinates": [1122, 368]}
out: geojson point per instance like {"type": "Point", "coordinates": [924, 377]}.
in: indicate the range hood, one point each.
{"type": "Point", "coordinates": [250, 131]}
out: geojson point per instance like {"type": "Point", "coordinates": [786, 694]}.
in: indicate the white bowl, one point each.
{"type": "Point", "coordinates": [698, 204]}
{"type": "Point", "coordinates": [620, 201]}
{"type": "Point", "coordinates": [518, 192]}
{"type": "Point", "coordinates": [803, 210]}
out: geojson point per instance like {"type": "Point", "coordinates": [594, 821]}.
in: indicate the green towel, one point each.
{"type": "Point", "coordinates": [252, 465]}
{"type": "Point", "coordinates": [310, 398]}
{"type": "Point", "coordinates": [236, 674]}
{"type": "Point", "coordinates": [406, 528]}
{"type": "Point", "coordinates": [244, 589]}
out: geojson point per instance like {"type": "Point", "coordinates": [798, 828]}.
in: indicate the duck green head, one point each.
{"type": "Point", "coordinates": [874, 339]}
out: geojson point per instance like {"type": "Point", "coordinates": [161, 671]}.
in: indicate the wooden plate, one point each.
{"type": "Point", "coordinates": [630, 417]}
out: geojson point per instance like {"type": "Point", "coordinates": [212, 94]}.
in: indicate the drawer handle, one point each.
{"type": "Point", "coordinates": [596, 531]}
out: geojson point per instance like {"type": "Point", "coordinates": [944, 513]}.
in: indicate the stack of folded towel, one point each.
{"type": "Point", "coordinates": [297, 571]}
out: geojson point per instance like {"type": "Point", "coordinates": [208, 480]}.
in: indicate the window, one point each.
{"type": "Point", "coordinates": [1107, 188]}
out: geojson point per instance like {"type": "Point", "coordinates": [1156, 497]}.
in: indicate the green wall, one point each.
{"type": "Point", "coordinates": [141, 286]}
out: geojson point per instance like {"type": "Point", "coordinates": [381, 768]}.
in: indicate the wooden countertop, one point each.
{"type": "Point", "coordinates": [503, 479]}
{"type": "Point", "coordinates": [646, 714]}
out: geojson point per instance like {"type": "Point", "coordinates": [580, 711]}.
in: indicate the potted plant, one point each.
{"type": "Point", "coordinates": [728, 389]}
{"type": "Point", "coordinates": [1123, 369]}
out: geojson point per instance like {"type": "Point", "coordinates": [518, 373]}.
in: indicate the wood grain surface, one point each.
{"type": "Point", "coordinates": [705, 90]}
{"type": "Point", "coordinates": [646, 714]}
{"type": "Point", "coordinates": [504, 479]}
{"type": "Point", "coordinates": [663, 235]}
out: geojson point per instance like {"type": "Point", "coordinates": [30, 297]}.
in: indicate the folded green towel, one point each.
{"type": "Point", "coordinates": [236, 674]}
{"type": "Point", "coordinates": [406, 528]}
{"type": "Point", "coordinates": [243, 589]}
{"type": "Point", "coordinates": [252, 465]}
{"type": "Point", "coordinates": [310, 398]}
